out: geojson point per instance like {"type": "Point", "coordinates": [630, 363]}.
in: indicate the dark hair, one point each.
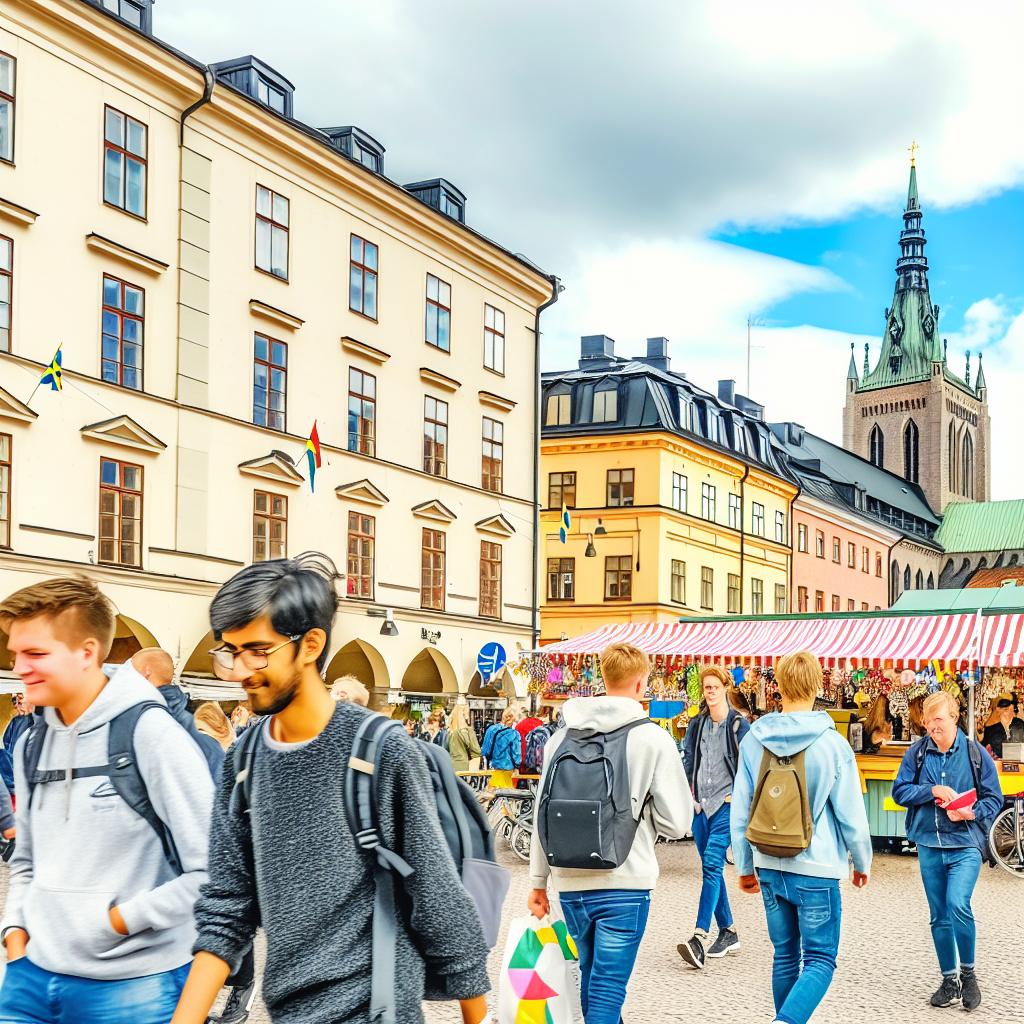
{"type": "Point", "coordinates": [297, 594]}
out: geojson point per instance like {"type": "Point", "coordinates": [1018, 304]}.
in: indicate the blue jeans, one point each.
{"type": "Point", "coordinates": [804, 914]}
{"type": "Point", "coordinates": [949, 876]}
{"type": "Point", "coordinates": [711, 836]}
{"type": "Point", "coordinates": [31, 995]}
{"type": "Point", "coordinates": [607, 925]}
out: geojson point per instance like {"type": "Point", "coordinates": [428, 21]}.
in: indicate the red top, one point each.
{"type": "Point", "coordinates": [524, 728]}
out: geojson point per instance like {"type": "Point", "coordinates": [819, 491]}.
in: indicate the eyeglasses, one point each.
{"type": "Point", "coordinates": [225, 661]}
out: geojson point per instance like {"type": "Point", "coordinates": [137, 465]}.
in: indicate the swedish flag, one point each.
{"type": "Point", "coordinates": [566, 523]}
{"type": "Point", "coordinates": [54, 372]}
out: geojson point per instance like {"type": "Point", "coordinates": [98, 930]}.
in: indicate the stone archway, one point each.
{"type": "Point", "coordinates": [430, 672]}
{"type": "Point", "coordinates": [362, 660]}
{"type": "Point", "coordinates": [129, 637]}
{"type": "Point", "coordinates": [198, 663]}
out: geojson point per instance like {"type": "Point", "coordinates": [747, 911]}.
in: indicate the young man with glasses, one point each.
{"type": "Point", "coordinates": [291, 862]}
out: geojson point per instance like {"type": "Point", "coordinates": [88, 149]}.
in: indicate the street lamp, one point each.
{"type": "Point", "coordinates": [389, 628]}
{"type": "Point", "coordinates": [591, 551]}
{"type": "Point", "coordinates": [600, 531]}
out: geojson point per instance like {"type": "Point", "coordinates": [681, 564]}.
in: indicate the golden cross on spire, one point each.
{"type": "Point", "coordinates": [912, 150]}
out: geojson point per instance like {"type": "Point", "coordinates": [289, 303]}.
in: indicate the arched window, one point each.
{"type": "Point", "coordinates": [910, 452]}
{"type": "Point", "coordinates": [931, 581]}
{"type": "Point", "coordinates": [877, 446]}
{"type": "Point", "coordinates": [906, 578]}
{"type": "Point", "coordinates": [894, 580]}
{"type": "Point", "coordinates": [951, 445]}
{"type": "Point", "coordinates": [919, 580]}
{"type": "Point", "coordinates": [967, 471]}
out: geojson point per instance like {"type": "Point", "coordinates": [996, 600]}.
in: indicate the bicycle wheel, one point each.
{"type": "Point", "coordinates": [520, 840]}
{"type": "Point", "coordinates": [1007, 839]}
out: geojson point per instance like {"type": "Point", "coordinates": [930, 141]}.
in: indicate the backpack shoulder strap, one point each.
{"type": "Point", "coordinates": [33, 751]}
{"type": "Point", "coordinates": [125, 777]}
{"type": "Point", "coordinates": [242, 755]}
{"type": "Point", "coordinates": [918, 751]}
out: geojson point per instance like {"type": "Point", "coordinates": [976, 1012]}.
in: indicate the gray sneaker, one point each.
{"type": "Point", "coordinates": [727, 942]}
{"type": "Point", "coordinates": [948, 993]}
{"type": "Point", "coordinates": [970, 993]}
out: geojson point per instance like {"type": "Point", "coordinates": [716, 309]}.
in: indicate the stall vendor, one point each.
{"type": "Point", "coordinates": [1003, 726]}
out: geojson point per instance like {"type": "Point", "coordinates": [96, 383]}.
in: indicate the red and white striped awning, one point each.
{"type": "Point", "coordinates": [900, 641]}
{"type": "Point", "coordinates": [1003, 642]}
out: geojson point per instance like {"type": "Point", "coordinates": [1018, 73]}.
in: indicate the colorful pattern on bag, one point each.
{"type": "Point", "coordinates": [528, 985]}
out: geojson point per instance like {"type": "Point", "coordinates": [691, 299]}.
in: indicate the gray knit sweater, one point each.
{"type": "Point", "coordinates": [292, 864]}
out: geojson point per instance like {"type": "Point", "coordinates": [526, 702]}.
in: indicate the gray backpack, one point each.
{"type": "Point", "coordinates": [585, 815]}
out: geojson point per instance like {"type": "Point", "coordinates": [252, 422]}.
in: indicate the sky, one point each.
{"type": "Point", "coordinates": [685, 166]}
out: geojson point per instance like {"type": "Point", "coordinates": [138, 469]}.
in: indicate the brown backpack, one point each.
{"type": "Point", "coordinates": [781, 824]}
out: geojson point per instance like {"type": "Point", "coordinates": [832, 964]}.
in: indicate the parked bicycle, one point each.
{"type": "Point", "coordinates": [1007, 836]}
{"type": "Point", "coordinates": [510, 812]}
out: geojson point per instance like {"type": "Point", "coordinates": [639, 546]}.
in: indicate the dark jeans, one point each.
{"type": "Point", "coordinates": [711, 836]}
{"type": "Point", "coordinates": [31, 995]}
{"type": "Point", "coordinates": [804, 914]}
{"type": "Point", "coordinates": [607, 925]}
{"type": "Point", "coordinates": [949, 877]}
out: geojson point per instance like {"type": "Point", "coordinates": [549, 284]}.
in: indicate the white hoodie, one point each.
{"type": "Point", "coordinates": [655, 771]}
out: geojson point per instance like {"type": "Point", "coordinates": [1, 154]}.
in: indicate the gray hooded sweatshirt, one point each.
{"type": "Point", "coordinates": [82, 850]}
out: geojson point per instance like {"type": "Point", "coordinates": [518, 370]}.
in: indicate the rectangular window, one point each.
{"type": "Point", "coordinates": [863, 606]}
{"type": "Point", "coordinates": [490, 580]}
{"type": "Point", "coordinates": [801, 599]}
{"type": "Point", "coordinates": [561, 490]}
{"type": "Point", "coordinates": [362, 277]}
{"type": "Point", "coordinates": [733, 594]}
{"type": "Point", "coordinates": [851, 555]}
{"type": "Point", "coordinates": [835, 602]}
{"type": "Point", "coordinates": [120, 513]}
{"type": "Point", "coordinates": [678, 581]}
{"type": "Point", "coordinates": [850, 604]}
{"type": "Point", "coordinates": [707, 502]}
{"type": "Point", "coordinates": [780, 527]}
{"type": "Point", "coordinates": [679, 492]}
{"type": "Point", "coordinates": [819, 544]}
{"type": "Point", "coordinates": [780, 599]}
{"type": "Point", "coordinates": [6, 445]}
{"type": "Point", "coordinates": [494, 339]}
{"type": "Point", "coordinates": [837, 550]}
{"type": "Point", "coordinates": [801, 537]}
{"type": "Point", "coordinates": [620, 488]}
{"type": "Point", "coordinates": [272, 232]}
{"type": "Point", "coordinates": [359, 577]}
{"type": "Point", "coordinates": [561, 579]}
{"type": "Point", "coordinates": [735, 512]}
{"type": "Point", "coordinates": [7, 69]}
{"type": "Point", "coordinates": [269, 382]}
{"type": "Point", "coordinates": [493, 454]}
{"type": "Point", "coordinates": [756, 597]}
{"type": "Point", "coordinates": [269, 526]}
{"type": "Point", "coordinates": [878, 563]}
{"type": "Point", "coordinates": [435, 437]}
{"type": "Point", "coordinates": [432, 575]}
{"type": "Point", "coordinates": [124, 162]}
{"type": "Point", "coordinates": [757, 519]}
{"type": "Point", "coordinates": [362, 412]}
{"type": "Point", "coordinates": [707, 588]}
{"type": "Point", "coordinates": [606, 406]}
{"type": "Point", "coordinates": [865, 560]}
{"type": "Point", "coordinates": [6, 290]}
{"type": "Point", "coordinates": [819, 600]}
{"type": "Point", "coordinates": [618, 577]}
{"type": "Point", "coordinates": [558, 410]}
{"type": "Point", "coordinates": [123, 321]}
{"type": "Point", "coordinates": [439, 313]}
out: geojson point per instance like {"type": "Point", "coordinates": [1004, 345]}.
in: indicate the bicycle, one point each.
{"type": "Point", "coordinates": [510, 812]}
{"type": "Point", "coordinates": [1006, 836]}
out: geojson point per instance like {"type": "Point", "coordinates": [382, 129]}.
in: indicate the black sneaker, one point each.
{"type": "Point", "coordinates": [236, 1009]}
{"type": "Point", "coordinates": [727, 942]}
{"type": "Point", "coordinates": [970, 994]}
{"type": "Point", "coordinates": [692, 952]}
{"type": "Point", "coordinates": [948, 993]}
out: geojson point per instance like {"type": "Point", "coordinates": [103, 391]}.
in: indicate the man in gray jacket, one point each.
{"type": "Point", "coordinates": [98, 924]}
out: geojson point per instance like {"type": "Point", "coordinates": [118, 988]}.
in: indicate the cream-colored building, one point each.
{"type": "Point", "coordinates": [219, 277]}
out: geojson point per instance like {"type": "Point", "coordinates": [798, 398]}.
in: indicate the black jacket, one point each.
{"type": "Point", "coordinates": [736, 728]}
{"type": "Point", "coordinates": [177, 704]}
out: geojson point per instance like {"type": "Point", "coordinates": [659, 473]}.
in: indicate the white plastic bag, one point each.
{"type": "Point", "coordinates": [539, 983]}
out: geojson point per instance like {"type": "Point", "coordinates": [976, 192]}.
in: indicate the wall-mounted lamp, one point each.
{"type": "Point", "coordinates": [600, 531]}
{"type": "Point", "coordinates": [389, 628]}
{"type": "Point", "coordinates": [591, 551]}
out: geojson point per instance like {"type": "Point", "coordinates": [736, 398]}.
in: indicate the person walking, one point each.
{"type": "Point", "coordinates": [98, 924]}
{"type": "Point", "coordinates": [463, 745]}
{"type": "Point", "coordinates": [16, 728]}
{"type": "Point", "coordinates": [606, 909]}
{"type": "Point", "coordinates": [526, 725]}
{"type": "Point", "coordinates": [435, 732]}
{"type": "Point", "coordinates": [797, 797]}
{"type": "Point", "coordinates": [710, 759]}
{"type": "Point", "coordinates": [287, 858]}
{"type": "Point", "coordinates": [934, 771]}
{"type": "Point", "coordinates": [505, 751]}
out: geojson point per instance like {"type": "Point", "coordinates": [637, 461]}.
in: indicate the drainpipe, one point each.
{"type": "Point", "coordinates": [743, 529]}
{"type": "Point", "coordinates": [556, 289]}
{"type": "Point", "coordinates": [208, 82]}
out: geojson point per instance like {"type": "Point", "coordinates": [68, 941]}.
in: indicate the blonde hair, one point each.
{"type": "Point", "coordinates": [799, 676]}
{"type": "Point", "coordinates": [717, 672]}
{"type": "Point", "coordinates": [622, 663]}
{"type": "Point", "coordinates": [508, 716]}
{"type": "Point", "coordinates": [210, 719]}
{"type": "Point", "coordinates": [459, 718]}
{"type": "Point", "coordinates": [936, 700]}
{"type": "Point", "coordinates": [351, 689]}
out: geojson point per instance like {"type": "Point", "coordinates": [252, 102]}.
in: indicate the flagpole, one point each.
{"type": "Point", "coordinates": [33, 395]}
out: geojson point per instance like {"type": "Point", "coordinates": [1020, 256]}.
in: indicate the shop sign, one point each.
{"type": "Point", "coordinates": [430, 635]}
{"type": "Point", "coordinates": [490, 661]}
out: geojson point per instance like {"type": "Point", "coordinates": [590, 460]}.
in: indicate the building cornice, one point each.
{"type": "Point", "coordinates": [850, 521]}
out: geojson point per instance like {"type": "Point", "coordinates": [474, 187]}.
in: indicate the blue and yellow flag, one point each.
{"type": "Point", "coordinates": [54, 372]}
{"type": "Point", "coordinates": [566, 523]}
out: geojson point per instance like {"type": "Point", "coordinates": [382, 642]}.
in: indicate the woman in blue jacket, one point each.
{"type": "Point", "coordinates": [505, 751]}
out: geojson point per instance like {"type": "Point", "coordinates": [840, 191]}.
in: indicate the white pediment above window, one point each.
{"type": "Point", "coordinates": [362, 491]}
{"type": "Point", "coordinates": [13, 409]}
{"type": "Point", "coordinates": [434, 510]}
{"type": "Point", "coordinates": [497, 525]}
{"type": "Point", "coordinates": [275, 466]}
{"type": "Point", "coordinates": [124, 431]}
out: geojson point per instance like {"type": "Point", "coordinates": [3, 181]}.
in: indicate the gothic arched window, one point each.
{"type": "Point", "coordinates": [951, 444]}
{"type": "Point", "coordinates": [931, 581]}
{"type": "Point", "coordinates": [919, 580]}
{"type": "Point", "coordinates": [906, 578]}
{"type": "Point", "coordinates": [877, 446]}
{"type": "Point", "coordinates": [894, 580]}
{"type": "Point", "coordinates": [911, 446]}
{"type": "Point", "coordinates": [967, 471]}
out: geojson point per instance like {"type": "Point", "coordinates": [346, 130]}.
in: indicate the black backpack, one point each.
{"type": "Point", "coordinates": [463, 822]}
{"type": "Point", "coordinates": [585, 815]}
{"type": "Point", "coordinates": [122, 769]}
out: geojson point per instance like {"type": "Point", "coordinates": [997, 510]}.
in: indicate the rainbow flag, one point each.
{"type": "Point", "coordinates": [313, 455]}
{"type": "Point", "coordinates": [564, 525]}
{"type": "Point", "coordinates": [54, 372]}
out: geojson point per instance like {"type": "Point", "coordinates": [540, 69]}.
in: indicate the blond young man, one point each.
{"type": "Point", "coordinates": [606, 909]}
{"type": "Point", "coordinates": [801, 893]}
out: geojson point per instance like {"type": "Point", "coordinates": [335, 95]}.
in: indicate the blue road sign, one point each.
{"type": "Point", "coordinates": [491, 660]}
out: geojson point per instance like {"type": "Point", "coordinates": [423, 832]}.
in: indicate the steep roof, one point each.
{"type": "Point", "coordinates": [988, 578]}
{"type": "Point", "coordinates": [982, 526]}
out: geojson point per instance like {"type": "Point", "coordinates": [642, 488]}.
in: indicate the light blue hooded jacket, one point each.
{"type": "Point", "coordinates": [837, 805]}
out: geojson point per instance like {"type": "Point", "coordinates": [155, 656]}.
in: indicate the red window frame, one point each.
{"type": "Point", "coordinates": [362, 531]}
{"type": "Point", "coordinates": [7, 274]}
{"type": "Point", "coordinates": [435, 436]}
{"type": "Point", "coordinates": [273, 224]}
{"type": "Point", "coordinates": [115, 495]}
{"type": "Point", "coordinates": [364, 439]}
{"type": "Point", "coordinates": [360, 269]}
{"type": "Point", "coordinates": [6, 487]}
{"type": "Point", "coordinates": [272, 509]}
{"type": "Point", "coordinates": [115, 362]}
{"type": "Point", "coordinates": [492, 455]}
{"type": "Point", "coordinates": [490, 580]}
{"type": "Point", "coordinates": [432, 570]}
{"type": "Point", "coordinates": [270, 365]}
{"type": "Point", "coordinates": [126, 156]}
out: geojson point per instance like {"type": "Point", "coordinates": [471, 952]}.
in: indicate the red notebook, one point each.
{"type": "Point", "coordinates": [963, 802]}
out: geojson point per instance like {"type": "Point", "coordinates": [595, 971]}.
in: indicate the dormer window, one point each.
{"type": "Point", "coordinates": [442, 195]}
{"type": "Point", "coordinates": [258, 80]}
{"type": "Point", "coordinates": [558, 407]}
{"type": "Point", "coordinates": [270, 94]}
{"type": "Point", "coordinates": [360, 146]}
{"type": "Point", "coordinates": [606, 405]}
{"type": "Point", "coordinates": [138, 13]}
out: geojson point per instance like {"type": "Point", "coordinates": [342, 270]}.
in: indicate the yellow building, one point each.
{"type": "Point", "coordinates": [220, 276]}
{"type": "Point", "coordinates": [678, 501]}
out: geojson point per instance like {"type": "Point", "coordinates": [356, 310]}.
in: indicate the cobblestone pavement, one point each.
{"type": "Point", "coordinates": [886, 970]}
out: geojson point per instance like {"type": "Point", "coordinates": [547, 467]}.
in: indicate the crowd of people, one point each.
{"type": "Point", "coordinates": [152, 842]}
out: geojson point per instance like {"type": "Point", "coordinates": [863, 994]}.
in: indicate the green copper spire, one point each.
{"type": "Point", "coordinates": [979, 382]}
{"type": "Point", "coordinates": [851, 373]}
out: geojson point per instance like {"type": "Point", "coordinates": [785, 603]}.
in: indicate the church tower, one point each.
{"type": "Point", "coordinates": [910, 413]}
